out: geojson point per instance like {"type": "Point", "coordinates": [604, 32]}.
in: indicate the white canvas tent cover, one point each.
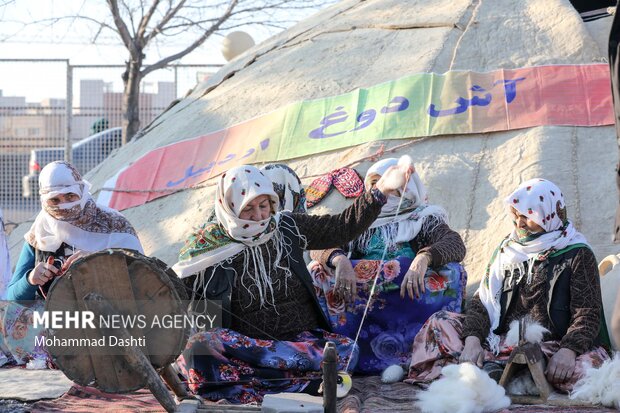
{"type": "Point", "coordinates": [362, 43]}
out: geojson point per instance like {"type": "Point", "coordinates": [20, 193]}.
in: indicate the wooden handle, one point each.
{"type": "Point", "coordinates": [330, 377]}
{"type": "Point", "coordinates": [134, 357]}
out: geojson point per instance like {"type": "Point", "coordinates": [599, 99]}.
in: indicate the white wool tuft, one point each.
{"type": "Point", "coordinates": [392, 374]}
{"type": "Point", "coordinates": [398, 180]}
{"type": "Point", "coordinates": [534, 332]}
{"type": "Point", "coordinates": [522, 384]}
{"type": "Point", "coordinates": [600, 386]}
{"type": "Point", "coordinates": [405, 161]}
{"type": "Point", "coordinates": [464, 388]}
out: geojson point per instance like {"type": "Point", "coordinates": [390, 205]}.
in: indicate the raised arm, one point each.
{"type": "Point", "coordinates": [330, 231]}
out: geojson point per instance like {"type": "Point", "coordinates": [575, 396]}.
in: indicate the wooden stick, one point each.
{"type": "Point", "coordinates": [172, 380]}
{"type": "Point", "coordinates": [330, 377]}
{"type": "Point", "coordinates": [134, 357]}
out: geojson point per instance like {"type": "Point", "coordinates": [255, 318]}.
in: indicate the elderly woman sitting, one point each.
{"type": "Point", "coordinates": [397, 252]}
{"type": "Point", "coordinates": [250, 264]}
{"type": "Point", "coordinates": [544, 269]}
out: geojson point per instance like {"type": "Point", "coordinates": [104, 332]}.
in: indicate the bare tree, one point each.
{"type": "Point", "coordinates": [143, 23]}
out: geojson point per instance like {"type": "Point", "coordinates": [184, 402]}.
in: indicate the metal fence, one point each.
{"type": "Point", "coordinates": [53, 104]}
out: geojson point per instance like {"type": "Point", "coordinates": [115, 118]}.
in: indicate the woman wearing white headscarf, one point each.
{"type": "Point", "coordinates": [70, 225]}
{"type": "Point", "coordinates": [409, 236]}
{"type": "Point", "coordinates": [249, 264]}
{"type": "Point", "coordinates": [545, 270]}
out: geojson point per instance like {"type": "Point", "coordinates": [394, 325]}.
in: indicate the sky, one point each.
{"type": "Point", "coordinates": [72, 39]}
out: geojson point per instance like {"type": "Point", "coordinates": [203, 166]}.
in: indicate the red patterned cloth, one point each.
{"type": "Point", "coordinates": [346, 180]}
{"type": "Point", "coordinates": [318, 189]}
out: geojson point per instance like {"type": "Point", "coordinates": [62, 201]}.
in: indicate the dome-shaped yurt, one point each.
{"type": "Point", "coordinates": [358, 45]}
{"type": "Point", "coordinates": [483, 95]}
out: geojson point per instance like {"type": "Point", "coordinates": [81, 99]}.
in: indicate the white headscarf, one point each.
{"type": "Point", "coordinates": [414, 212]}
{"type": "Point", "coordinates": [5, 262]}
{"type": "Point", "coordinates": [82, 224]}
{"type": "Point", "coordinates": [542, 202]}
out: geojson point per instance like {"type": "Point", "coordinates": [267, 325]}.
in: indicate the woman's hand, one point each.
{"type": "Point", "coordinates": [43, 272]}
{"type": "Point", "coordinates": [413, 281]}
{"type": "Point", "coordinates": [561, 366]}
{"type": "Point", "coordinates": [76, 256]}
{"type": "Point", "coordinates": [345, 278]}
{"type": "Point", "coordinates": [472, 352]}
{"type": "Point", "coordinates": [393, 181]}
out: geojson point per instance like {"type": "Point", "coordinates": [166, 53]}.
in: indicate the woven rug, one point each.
{"type": "Point", "coordinates": [369, 395]}
{"type": "Point", "coordinates": [80, 399]}
{"type": "Point", "coordinates": [545, 409]}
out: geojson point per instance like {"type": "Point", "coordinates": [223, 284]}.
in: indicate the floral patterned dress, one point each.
{"type": "Point", "coordinates": [391, 322]}
{"type": "Point", "coordinates": [18, 334]}
{"type": "Point", "coordinates": [224, 364]}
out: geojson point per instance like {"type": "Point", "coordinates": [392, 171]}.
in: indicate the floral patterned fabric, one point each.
{"type": "Point", "coordinates": [223, 364]}
{"type": "Point", "coordinates": [205, 238]}
{"type": "Point", "coordinates": [438, 343]}
{"type": "Point", "coordinates": [391, 322]}
{"type": "Point", "coordinates": [17, 334]}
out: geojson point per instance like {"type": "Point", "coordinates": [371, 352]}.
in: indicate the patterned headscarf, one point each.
{"type": "Point", "coordinates": [542, 202]}
{"type": "Point", "coordinates": [82, 224]}
{"type": "Point", "coordinates": [237, 187]}
{"type": "Point", "coordinates": [401, 220]}
{"type": "Point", "coordinates": [287, 185]}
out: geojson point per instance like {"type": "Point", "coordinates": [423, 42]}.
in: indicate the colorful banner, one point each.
{"type": "Point", "coordinates": [423, 104]}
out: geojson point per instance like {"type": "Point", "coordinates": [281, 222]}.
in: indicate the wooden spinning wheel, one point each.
{"type": "Point", "coordinates": [129, 292]}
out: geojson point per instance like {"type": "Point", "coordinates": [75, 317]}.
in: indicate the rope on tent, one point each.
{"type": "Point", "coordinates": [472, 20]}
